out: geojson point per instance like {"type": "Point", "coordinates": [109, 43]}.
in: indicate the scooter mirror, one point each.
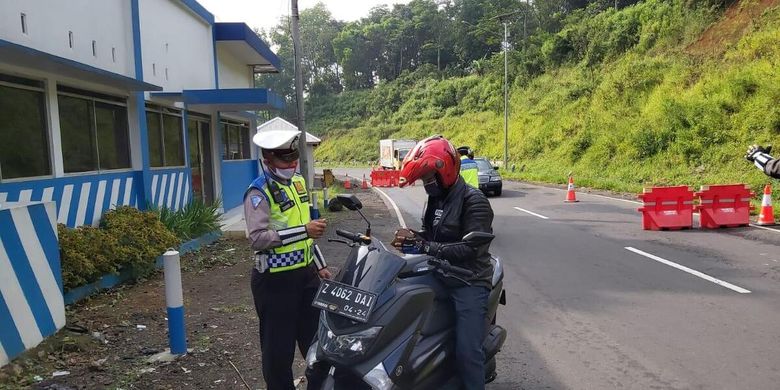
{"type": "Point", "coordinates": [478, 238]}
{"type": "Point", "coordinates": [350, 201]}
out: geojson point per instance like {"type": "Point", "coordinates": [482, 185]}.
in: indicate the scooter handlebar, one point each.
{"type": "Point", "coordinates": [354, 237]}
{"type": "Point", "coordinates": [447, 267]}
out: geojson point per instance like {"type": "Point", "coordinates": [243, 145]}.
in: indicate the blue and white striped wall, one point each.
{"type": "Point", "coordinates": [31, 302]}
{"type": "Point", "coordinates": [80, 200]}
{"type": "Point", "coordinates": [171, 188]}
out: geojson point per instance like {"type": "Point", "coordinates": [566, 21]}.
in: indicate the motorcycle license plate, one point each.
{"type": "Point", "coordinates": [344, 300]}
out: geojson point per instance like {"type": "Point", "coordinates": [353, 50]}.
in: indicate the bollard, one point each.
{"type": "Point", "coordinates": [325, 197]}
{"type": "Point", "coordinates": [174, 299]}
{"type": "Point", "coordinates": [314, 209]}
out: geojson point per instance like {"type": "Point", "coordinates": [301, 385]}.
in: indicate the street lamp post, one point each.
{"type": "Point", "coordinates": [506, 100]}
{"type": "Point", "coordinates": [296, 35]}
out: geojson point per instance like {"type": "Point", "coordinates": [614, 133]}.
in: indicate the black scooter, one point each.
{"type": "Point", "coordinates": [387, 322]}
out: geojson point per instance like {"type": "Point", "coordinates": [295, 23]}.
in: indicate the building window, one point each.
{"type": "Point", "coordinates": [166, 143]}
{"type": "Point", "coordinates": [24, 143]}
{"type": "Point", "coordinates": [24, 24]}
{"type": "Point", "coordinates": [235, 141]}
{"type": "Point", "coordinates": [94, 131]}
{"type": "Point", "coordinates": [94, 48]}
{"type": "Point", "coordinates": [70, 39]}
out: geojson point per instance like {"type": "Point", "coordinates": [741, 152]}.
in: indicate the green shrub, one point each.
{"type": "Point", "coordinates": [141, 238]}
{"type": "Point", "coordinates": [191, 221]}
{"type": "Point", "coordinates": [86, 254]}
{"type": "Point", "coordinates": [126, 239]}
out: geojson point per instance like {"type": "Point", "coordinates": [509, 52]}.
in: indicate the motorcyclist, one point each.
{"type": "Point", "coordinates": [760, 156]}
{"type": "Point", "coordinates": [468, 167]}
{"type": "Point", "coordinates": [453, 210]}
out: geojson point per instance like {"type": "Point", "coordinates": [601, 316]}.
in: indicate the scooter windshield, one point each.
{"type": "Point", "coordinates": [372, 269]}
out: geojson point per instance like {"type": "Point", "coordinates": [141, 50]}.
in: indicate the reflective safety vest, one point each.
{"type": "Point", "coordinates": [289, 206]}
{"type": "Point", "coordinates": [469, 171]}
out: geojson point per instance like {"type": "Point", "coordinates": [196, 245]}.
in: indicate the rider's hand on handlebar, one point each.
{"type": "Point", "coordinates": [754, 149]}
{"type": "Point", "coordinates": [408, 241]}
{"type": "Point", "coordinates": [316, 228]}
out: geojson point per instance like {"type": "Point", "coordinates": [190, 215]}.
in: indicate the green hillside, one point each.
{"type": "Point", "coordinates": [661, 92]}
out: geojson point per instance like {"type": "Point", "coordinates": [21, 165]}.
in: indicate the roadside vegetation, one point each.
{"type": "Point", "coordinates": [129, 239]}
{"type": "Point", "coordinates": [653, 93]}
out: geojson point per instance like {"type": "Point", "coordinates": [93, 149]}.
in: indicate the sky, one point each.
{"type": "Point", "coordinates": [265, 14]}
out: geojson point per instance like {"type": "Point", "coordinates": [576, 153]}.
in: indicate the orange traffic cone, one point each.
{"type": "Point", "coordinates": [347, 184]}
{"type": "Point", "coordinates": [767, 216]}
{"type": "Point", "coordinates": [365, 183]}
{"type": "Point", "coordinates": [570, 195]}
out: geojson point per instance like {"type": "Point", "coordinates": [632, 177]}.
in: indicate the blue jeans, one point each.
{"type": "Point", "coordinates": [470, 311]}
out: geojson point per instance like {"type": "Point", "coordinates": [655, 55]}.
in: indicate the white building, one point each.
{"type": "Point", "coordinates": [118, 102]}
{"type": "Point", "coordinates": [115, 102]}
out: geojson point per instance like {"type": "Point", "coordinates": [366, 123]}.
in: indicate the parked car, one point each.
{"type": "Point", "coordinates": [489, 178]}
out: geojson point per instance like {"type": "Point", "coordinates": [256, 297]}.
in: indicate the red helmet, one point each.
{"type": "Point", "coordinates": [433, 155]}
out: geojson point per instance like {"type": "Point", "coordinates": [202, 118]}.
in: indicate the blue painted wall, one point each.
{"type": "Point", "coordinates": [236, 177]}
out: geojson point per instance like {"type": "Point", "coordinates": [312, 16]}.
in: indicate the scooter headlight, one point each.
{"type": "Point", "coordinates": [378, 379]}
{"type": "Point", "coordinates": [345, 346]}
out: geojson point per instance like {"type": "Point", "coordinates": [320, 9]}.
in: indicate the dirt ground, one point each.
{"type": "Point", "coordinates": [110, 337]}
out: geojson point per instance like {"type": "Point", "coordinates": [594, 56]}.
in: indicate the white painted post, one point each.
{"type": "Point", "coordinates": [174, 299]}
{"type": "Point", "coordinates": [315, 208]}
{"type": "Point", "coordinates": [325, 198]}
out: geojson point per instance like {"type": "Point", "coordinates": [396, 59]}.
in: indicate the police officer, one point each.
{"type": "Point", "coordinates": [760, 156]}
{"type": "Point", "coordinates": [468, 167]}
{"type": "Point", "coordinates": [288, 264]}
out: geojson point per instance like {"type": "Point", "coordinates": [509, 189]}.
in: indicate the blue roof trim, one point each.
{"type": "Point", "coordinates": [242, 32]}
{"type": "Point", "coordinates": [238, 99]}
{"type": "Point", "coordinates": [199, 10]}
{"type": "Point", "coordinates": [36, 59]}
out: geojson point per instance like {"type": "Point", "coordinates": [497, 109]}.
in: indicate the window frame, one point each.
{"type": "Point", "coordinates": [224, 124]}
{"type": "Point", "coordinates": [159, 111]}
{"type": "Point", "coordinates": [34, 85]}
{"type": "Point", "coordinates": [92, 97]}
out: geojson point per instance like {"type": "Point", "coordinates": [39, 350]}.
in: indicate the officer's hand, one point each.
{"type": "Point", "coordinates": [316, 228]}
{"type": "Point", "coordinates": [325, 273]}
{"type": "Point", "coordinates": [754, 149]}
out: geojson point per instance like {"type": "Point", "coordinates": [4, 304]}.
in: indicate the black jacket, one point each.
{"type": "Point", "coordinates": [463, 209]}
{"type": "Point", "coordinates": [772, 168]}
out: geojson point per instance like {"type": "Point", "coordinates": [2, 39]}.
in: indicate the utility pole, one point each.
{"type": "Point", "coordinates": [506, 93]}
{"type": "Point", "coordinates": [296, 35]}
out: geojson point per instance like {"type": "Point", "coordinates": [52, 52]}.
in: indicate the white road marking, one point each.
{"type": "Point", "coordinates": [765, 228]}
{"type": "Point", "coordinates": [532, 213]}
{"type": "Point", "coordinates": [689, 270]}
{"type": "Point", "coordinates": [596, 195]}
{"type": "Point", "coordinates": [395, 207]}
{"type": "Point", "coordinates": [392, 203]}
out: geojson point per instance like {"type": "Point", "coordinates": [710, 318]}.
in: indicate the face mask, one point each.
{"type": "Point", "coordinates": [432, 188]}
{"type": "Point", "coordinates": [286, 173]}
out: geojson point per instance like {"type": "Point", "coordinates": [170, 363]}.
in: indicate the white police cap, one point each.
{"type": "Point", "coordinates": [277, 139]}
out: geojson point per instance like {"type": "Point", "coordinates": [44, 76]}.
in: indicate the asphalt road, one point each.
{"type": "Point", "coordinates": [595, 302]}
